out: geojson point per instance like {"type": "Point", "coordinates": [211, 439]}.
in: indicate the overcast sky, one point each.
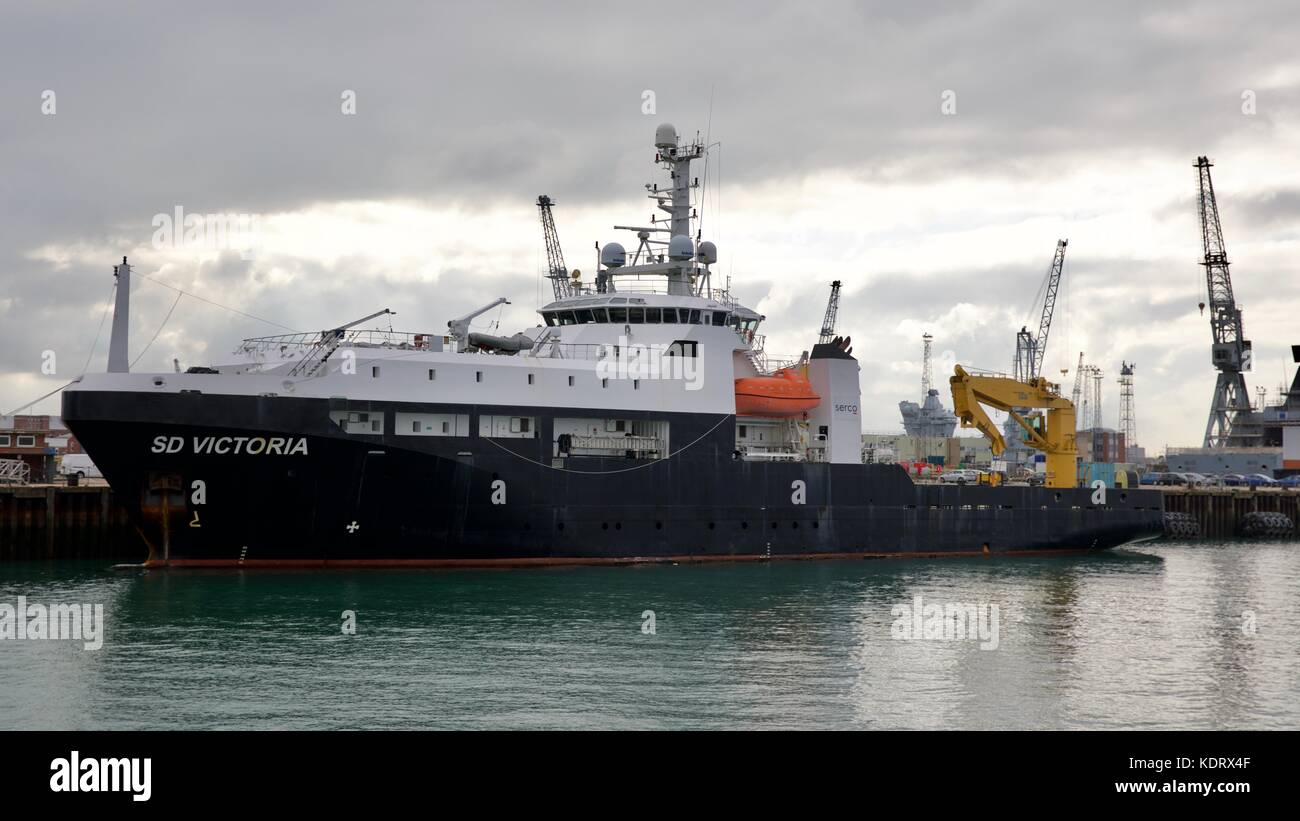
{"type": "Point", "coordinates": [837, 161]}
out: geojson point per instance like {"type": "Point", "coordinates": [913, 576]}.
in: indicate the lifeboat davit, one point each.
{"type": "Point", "coordinates": [787, 392]}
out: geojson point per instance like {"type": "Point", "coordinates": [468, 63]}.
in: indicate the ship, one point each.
{"type": "Point", "coordinates": [930, 420]}
{"type": "Point", "coordinates": [640, 420]}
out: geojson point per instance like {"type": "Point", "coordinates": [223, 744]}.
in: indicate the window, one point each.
{"type": "Point", "coordinates": [683, 347]}
{"type": "Point", "coordinates": [670, 315]}
{"type": "Point", "coordinates": [374, 371]}
{"type": "Point", "coordinates": [478, 376]}
{"type": "Point", "coordinates": [600, 315]}
{"type": "Point", "coordinates": [652, 316]}
{"type": "Point", "coordinates": [719, 318]}
{"type": "Point", "coordinates": [636, 384]}
{"type": "Point", "coordinates": [604, 383]}
{"type": "Point", "coordinates": [618, 314]}
{"type": "Point", "coordinates": [567, 318]}
{"type": "Point", "coordinates": [570, 381]}
{"type": "Point", "coordinates": [742, 431]}
{"type": "Point", "coordinates": [431, 424]}
{"type": "Point", "coordinates": [636, 316]}
{"type": "Point", "coordinates": [433, 374]}
{"type": "Point", "coordinates": [4, 440]}
{"type": "Point", "coordinates": [530, 379]}
{"type": "Point", "coordinates": [694, 317]}
{"type": "Point", "coordinates": [26, 441]}
{"type": "Point", "coordinates": [585, 317]}
{"type": "Point", "coordinates": [507, 427]}
{"type": "Point", "coordinates": [550, 319]}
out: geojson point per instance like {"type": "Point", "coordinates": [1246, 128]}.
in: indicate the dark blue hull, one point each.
{"type": "Point", "coordinates": [301, 491]}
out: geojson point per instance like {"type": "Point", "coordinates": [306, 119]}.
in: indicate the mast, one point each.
{"type": "Point", "coordinates": [117, 344]}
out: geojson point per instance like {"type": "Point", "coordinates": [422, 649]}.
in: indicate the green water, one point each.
{"type": "Point", "coordinates": [1152, 637]}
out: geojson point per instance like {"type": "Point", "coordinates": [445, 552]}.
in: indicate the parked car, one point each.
{"type": "Point", "coordinates": [1197, 479]}
{"type": "Point", "coordinates": [1151, 477]}
{"type": "Point", "coordinates": [1173, 479]}
{"type": "Point", "coordinates": [1290, 481]}
{"type": "Point", "coordinates": [1235, 480]}
{"type": "Point", "coordinates": [966, 476]}
{"type": "Point", "coordinates": [1260, 480]}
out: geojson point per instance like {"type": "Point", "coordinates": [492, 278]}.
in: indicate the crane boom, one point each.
{"type": "Point", "coordinates": [832, 311]}
{"type": "Point", "coordinates": [1031, 349]}
{"type": "Point", "coordinates": [556, 271]}
{"type": "Point", "coordinates": [1053, 435]}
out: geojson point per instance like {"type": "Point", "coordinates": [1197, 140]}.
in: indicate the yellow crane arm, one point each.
{"type": "Point", "coordinates": [970, 393]}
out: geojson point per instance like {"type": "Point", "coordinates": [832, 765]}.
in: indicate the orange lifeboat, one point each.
{"type": "Point", "coordinates": [787, 392]}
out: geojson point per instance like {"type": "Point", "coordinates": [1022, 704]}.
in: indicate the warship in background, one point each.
{"type": "Point", "coordinates": [930, 419]}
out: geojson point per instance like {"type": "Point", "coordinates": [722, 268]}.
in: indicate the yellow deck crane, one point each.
{"type": "Point", "coordinates": [1052, 433]}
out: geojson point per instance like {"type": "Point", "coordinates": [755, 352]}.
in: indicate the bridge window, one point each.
{"type": "Point", "coordinates": [719, 319]}
{"type": "Point", "coordinates": [670, 315]}
{"type": "Point", "coordinates": [585, 317]}
{"type": "Point", "coordinates": [618, 314]}
{"type": "Point", "coordinates": [652, 316]}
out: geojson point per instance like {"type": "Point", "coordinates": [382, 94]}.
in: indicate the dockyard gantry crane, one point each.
{"type": "Point", "coordinates": [1031, 348]}
{"type": "Point", "coordinates": [1052, 433]}
{"type": "Point", "coordinates": [556, 271]}
{"type": "Point", "coordinates": [832, 311]}
{"type": "Point", "coordinates": [1078, 382]}
{"type": "Point", "coordinates": [1228, 425]}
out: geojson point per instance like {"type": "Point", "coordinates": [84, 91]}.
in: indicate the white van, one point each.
{"type": "Point", "coordinates": [79, 465]}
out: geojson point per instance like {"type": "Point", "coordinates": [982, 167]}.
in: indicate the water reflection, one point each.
{"type": "Point", "coordinates": [1146, 637]}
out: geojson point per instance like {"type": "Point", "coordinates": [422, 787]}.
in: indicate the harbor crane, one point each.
{"type": "Point", "coordinates": [556, 271]}
{"type": "Point", "coordinates": [1052, 433]}
{"type": "Point", "coordinates": [1078, 381]}
{"type": "Point", "coordinates": [1030, 347]}
{"type": "Point", "coordinates": [832, 311]}
{"type": "Point", "coordinates": [1230, 419]}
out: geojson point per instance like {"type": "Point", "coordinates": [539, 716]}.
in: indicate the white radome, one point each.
{"type": "Point", "coordinates": [666, 136]}
{"type": "Point", "coordinates": [680, 248]}
{"type": "Point", "coordinates": [613, 255]}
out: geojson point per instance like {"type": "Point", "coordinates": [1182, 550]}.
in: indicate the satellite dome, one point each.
{"type": "Point", "coordinates": [613, 255]}
{"type": "Point", "coordinates": [665, 136]}
{"type": "Point", "coordinates": [707, 253]}
{"type": "Point", "coordinates": [680, 248]}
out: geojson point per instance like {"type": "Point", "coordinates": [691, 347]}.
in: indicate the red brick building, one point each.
{"type": "Point", "coordinates": [38, 441]}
